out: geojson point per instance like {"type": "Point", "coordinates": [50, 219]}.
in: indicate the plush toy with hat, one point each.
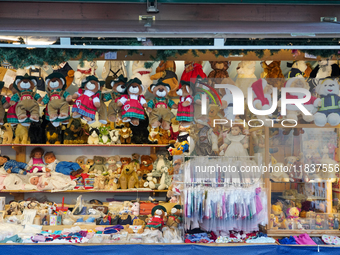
{"type": "Point", "coordinates": [328, 103]}
{"type": "Point", "coordinates": [3, 104]}
{"type": "Point", "coordinates": [166, 72]}
{"type": "Point", "coordinates": [118, 86]}
{"type": "Point", "coordinates": [87, 99]}
{"type": "Point", "coordinates": [298, 69]}
{"type": "Point", "coordinates": [133, 103]}
{"type": "Point", "coordinates": [66, 70]}
{"type": "Point", "coordinates": [56, 99]}
{"type": "Point", "coordinates": [292, 110]}
{"type": "Point", "coordinates": [159, 107]}
{"type": "Point", "coordinates": [185, 112]}
{"type": "Point", "coordinates": [157, 220]}
{"type": "Point", "coordinates": [26, 98]}
{"type": "Point", "coordinates": [175, 217]}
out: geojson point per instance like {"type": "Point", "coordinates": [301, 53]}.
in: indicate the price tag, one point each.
{"type": "Point", "coordinates": [110, 55]}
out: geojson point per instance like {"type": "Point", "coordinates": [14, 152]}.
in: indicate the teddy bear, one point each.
{"type": "Point", "coordinates": [99, 182]}
{"type": "Point", "coordinates": [93, 136]}
{"type": "Point", "coordinates": [89, 164]}
{"type": "Point", "coordinates": [175, 217]}
{"type": "Point", "coordinates": [125, 135]}
{"type": "Point", "coordinates": [166, 73]}
{"type": "Point", "coordinates": [292, 110]}
{"type": "Point", "coordinates": [99, 165]}
{"type": "Point", "coordinates": [88, 68]}
{"type": "Point", "coordinates": [164, 136]}
{"type": "Point", "coordinates": [81, 162]}
{"type": "Point", "coordinates": [112, 163]}
{"type": "Point", "coordinates": [133, 103]}
{"type": "Point", "coordinates": [192, 69]}
{"type": "Point", "coordinates": [219, 74]}
{"type": "Point", "coordinates": [245, 75]}
{"type": "Point", "coordinates": [21, 135]}
{"type": "Point", "coordinates": [272, 73]}
{"type": "Point", "coordinates": [113, 183]}
{"type": "Point", "coordinates": [56, 99]}
{"type": "Point", "coordinates": [137, 226]}
{"type": "Point", "coordinates": [3, 104]}
{"type": "Point", "coordinates": [104, 136]}
{"type": "Point", "coordinates": [297, 69]}
{"type": "Point", "coordinates": [115, 136]}
{"type": "Point", "coordinates": [118, 86]}
{"type": "Point", "coordinates": [7, 136]}
{"type": "Point", "coordinates": [135, 159]}
{"type": "Point", "coordinates": [158, 214]}
{"type": "Point", "coordinates": [185, 112]}
{"type": "Point", "coordinates": [129, 178]}
{"type": "Point", "coordinates": [87, 100]}
{"type": "Point", "coordinates": [66, 70]}
{"type": "Point", "coordinates": [160, 107]}
{"type": "Point", "coordinates": [153, 135]}
{"type": "Point", "coordinates": [328, 103]}
{"type": "Point", "coordinates": [142, 73]}
{"type": "Point", "coordinates": [27, 100]}
{"type": "Point", "coordinates": [73, 131]}
{"type": "Point", "coordinates": [125, 161]}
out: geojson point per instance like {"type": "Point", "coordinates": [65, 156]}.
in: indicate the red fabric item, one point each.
{"type": "Point", "coordinates": [84, 71]}
{"type": "Point", "coordinates": [258, 90]}
{"type": "Point", "coordinates": [311, 100]}
{"type": "Point", "coordinates": [197, 70]}
{"type": "Point", "coordinates": [187, 241]}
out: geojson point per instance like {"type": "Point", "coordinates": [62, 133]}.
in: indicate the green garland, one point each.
{"type": "Point", "coordinates": [21, 57]}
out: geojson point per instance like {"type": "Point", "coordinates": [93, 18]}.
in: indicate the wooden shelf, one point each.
{"type": "Point", "coordinates": [86, 191]}
{"type": "Point", "coordinates": [83, 145]}
{"type": "Point", "coordinates": [311, 232]}
{"type": "Point", "coordinates": [304, 126]}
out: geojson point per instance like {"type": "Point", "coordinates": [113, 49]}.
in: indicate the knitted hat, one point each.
{"type": "Point", "coordinates": [89, 78]}
{"type": "Point", "coordinates": [156, 208]}
{"type": "Point", "coordinates": [58, 76]}
{"type": "Point", "coordinates": [160, 83]}
{"type": "Point", "coordinates": [120, 78]}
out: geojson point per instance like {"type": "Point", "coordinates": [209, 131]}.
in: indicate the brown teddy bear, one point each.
{"type": "Point", "coordinates": [118, 88]}
{"type": "Point", "coordinates": [26, 98]}
{"type": "Point", "coordinates": [113, 183]}
{"type": "Point", "coordinates": [125, 161]}
{"type": "Point", "coordinates": [166, 73]}
{"type": "Point", "coordinates": [146, 165]}
{"type": "Point", "coordinates": [137, 226]}
{"type": "Point", "coordinates": [125, 135]}
{"type": "Point", "coordinates": [220, 73]}
{"type": "Point", "coordinates": [129, 178]}
{"type": "Point", "coordinates": [99, 182]}
{"type": "Point", "coordinates": [132, 104]}
{"type": "Point", "coordinates": [273, 74]}
{"type": "Point", "coordinates": [81, 162]}
{"type": "Point", "coordinates": [56, 98]}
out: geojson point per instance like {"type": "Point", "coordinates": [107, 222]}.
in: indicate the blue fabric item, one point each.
{"type": "Point", "coordinates": [80, 220]}
{"type": "Point", "coordinates": [317, 240]}
{"type": "Point", "coordinates": [110, 231]}
{"type": "Point", "coordinates": [90, 219]}
{"type": "Point", "coordinates": [66, 168]}
{"type": "Point", "coordinates": [116, 226]}
{"type": "Point", "coordinates": [287, 240]}
{"type": "Point", "coordinates": [260, 234]}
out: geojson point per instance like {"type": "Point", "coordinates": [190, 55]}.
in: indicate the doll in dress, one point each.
{"type": "Point", "coordinates": [235, 143]}
{"type": "Point", "coordinates": [185, 112]}
{"type": "Point", "coordinates": [87, 100]}
{"type": "Point", "coordinates": [36, 162]}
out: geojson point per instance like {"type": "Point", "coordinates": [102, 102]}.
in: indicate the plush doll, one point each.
{"type": "Point", "coordinates": [112, 69]}
{"type": "Point", "coordinates": [182, 144]}
{"type": "Point", "coordinates": [157, 220]}
{"type": "Point", "coordinates": [166, 73]}
{"type": "Point", "coordinates": [73, 131]}
{"type": "Point", "coordinates": [3, 104]}
{"type": "Point", "coordinates": [206, 142]}
{"type": "Point", "coordinates": [129, 178]}
{"type": "Point", "coordinates": [99, 165]}
{"type": "Point", "coordinates": [66, 70]}
{"type": "Point", "coordinates": [12, 166]}
{"type": "Point", "coordinates": [292, 111]}
{"type": "Point", "coordinates": [141, 73]}
{"type": "Point", "coordinates": [125, 135]}
{"type": "Point", "coordinates": [235, 143]}
{"type": "Point", "coordinates": [192, 70]}
{"type": "Point", "coordinates": [26, 99]}
{"type": "Point", "coordinates": [185, 112]}
{"type": "Point", "coordinates": [160, 107]}
{"type": "Point", "coordinates": [132, 104]}
{"type": "Point", "coordinates": [94, 136]}
{"type": "Point", "coordinates": [54, 135]}
{"type": "Point", "coordinates": [104, 136]}
{"type": "Point", "coordinates": [64, 167]}
{"type": "Point", "coordinates": [319, 222]}
{"type": "Point", "coordinates": [112, 163]}
{"type": "Point", "coordinates": [115, 136]}
{"type": "Point", "coordinates": [245, 75]}
{"type": "Point", "coordinates": [175, 218]}
{"type": "Point", "coordinates": [87, 100]}
{"type": "Point", "coordinates": [118, 89]}
{"type": "Point", "coordinates": [87, 69]}
{"type": "Point", "coordinates": [328, 103]}
{"type": "Point", "coordinates": [40, 73]}
{"type": "Point", "coordinates": [272, 73]}
{"type": "Point", "coordinates": [297, 69]}
{"type": "Point", "coordinates": [7, 133]}
{"type": "Point", "coordinates": [21, 135]}
{"type": "Point", "coordinates": [56, 99]}
{"type": "Point", "coordinates": [36, 162]}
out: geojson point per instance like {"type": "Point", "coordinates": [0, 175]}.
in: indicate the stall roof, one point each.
{"type": "Point", "coordinates": [166, 29]}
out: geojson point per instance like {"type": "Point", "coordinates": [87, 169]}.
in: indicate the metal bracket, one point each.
{"type": "Point", "coordinates": [151, 6]}
{"type": "Point", "coordinates": [65, 41]}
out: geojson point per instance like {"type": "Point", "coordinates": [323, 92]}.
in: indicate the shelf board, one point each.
{"type": "Point", "coordinates": [83, 145]}
{"type": "Point", "coordinates": [304, 126]}
{"type": "Point", "coordinates": [86, 191]}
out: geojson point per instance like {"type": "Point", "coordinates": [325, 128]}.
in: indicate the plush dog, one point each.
{"type": "Point", "coordinates": [166, 73]}
{"type": "Point", "coordinates": [160, 107]}
{"type": "Point", "coordinates": [125, 135]}
{"type": "Point", "coordinates": [132, 104]}
{"type": "Point", "coordinates": [129, 178]}
{"type": "Point", "coordinates": [94, 136]}
{"type": "Point", "coordinates": [72, 132]}
{"type": "Point", "coordinates": [115, 136]}
{"type": "Point", "coordinates": [153, 135]}
{"type": "Point", "coordinates": [7, 133]}
{"type": "Point", "coordinates": [21, 135]}
{"type": "Point", "coordinates": [36, 133]}
{"type": "Point", "coordinates": [54, 134]}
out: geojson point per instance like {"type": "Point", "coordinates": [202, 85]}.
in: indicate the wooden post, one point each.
{"type": "Point", "coordinates": [20, 153]}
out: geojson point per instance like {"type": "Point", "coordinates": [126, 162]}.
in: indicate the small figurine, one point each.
{"type": "Point", "coordinates": [235, 143]}
{"type": "Point", "coordinates": [157, 220]}
{"type": "Point", "coordinates": [36, 162]}
{"type": "Point", "coordinates": [12, 166]}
